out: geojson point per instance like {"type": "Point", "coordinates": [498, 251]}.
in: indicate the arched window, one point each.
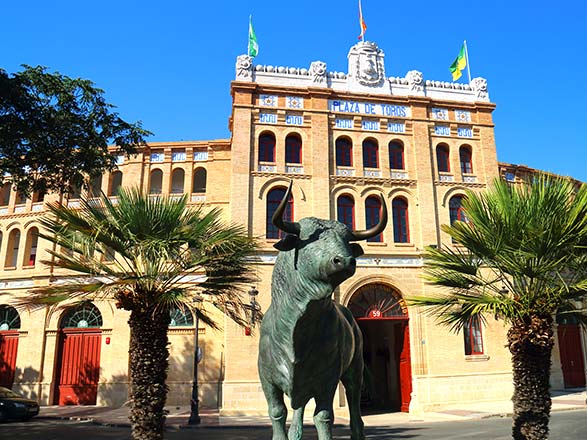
{"type": "Point", "coordinates": [344, 152]}
{"type": "Point", "coordinates": [372, 216]}
{"type": "Point", "coordinates": [274, 197]}
{"type": "Point", "coordinates": [456, 209]}
{"type": "Point", "coordinates": [85, 315]}
{"type": "Point", "coordinates": [442, 158]}
{"type": "Point", "coordinates": [473, 336]}
{"type": "Point", "coordinates": [5, 194]}
{"type": "Point", "coordinates": [396, 156]}
{"type": "Point", "coordinates": [96, 186]}
{"type": "Point", "coordinates": [293, 148]}
{"type": "Point", "coordinates": [177, 181]}
{"type": "Point", "coordinates": [115, 183]}
{"type": "Point", "coordinates": [12, 248]}
{"type": "Point", "coordinates": [199, 184]}
{"type": "Point", "coordinates": [267, 147]}
{"type": "Point", "coordinates": [181, 317]}
{"type": "Point", "coordinates": [466, 159]}
{"type": "Point", "coordinates": [401, 230]}
{"type": "Point", "coordinates": [156, 182]}
{"type": "Point", "coordinates": [30, 253]}
{"type": "Point", "coordinates": [370, 153]}
{"type": "Point", "coordinates": [345, 211]}
{"type": "Point", "coordinates": [9, 318]}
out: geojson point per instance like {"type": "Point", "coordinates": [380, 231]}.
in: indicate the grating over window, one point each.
{"type": "Point", "coordinates": [9, 318]}
{"type": "Point", "coordinates": [85, 315]}
{"type": "Point", "coordinates": [181, 317]}
{"type": "Point", "coordinates": [378, 301]}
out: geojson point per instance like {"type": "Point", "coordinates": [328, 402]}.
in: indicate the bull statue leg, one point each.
{"type": "Point", "coordinates": [297, 424]}
{"type": "Point", "coordinates": [277, 409]}
{"type": "Point", "coordinates": [352, 380]}
{"type": "Point", "coordinates": [324, 417]}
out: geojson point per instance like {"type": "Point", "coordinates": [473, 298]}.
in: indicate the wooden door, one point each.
{"type": "Point", "coordinates": [571, 353]}
{"type": "Point", "coordinates": [405, 369]}
{"type": "Point", "coordinates": [78, 367]}
{"type": "Point", "coordinates": [8, 352]}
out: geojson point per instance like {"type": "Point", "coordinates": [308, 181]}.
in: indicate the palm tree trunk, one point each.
{"type": "Point", "coordinates": [530, 342]}
{"type": "Point", "coordinates": [148, 373]}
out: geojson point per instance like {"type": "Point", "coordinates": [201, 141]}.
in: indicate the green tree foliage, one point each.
{"type": "Point", "coordinates": [149, 255]}
{"type": "Point", "coordinates": [520, 258]}
{"type": "Point", "coordinates": [55, 131]}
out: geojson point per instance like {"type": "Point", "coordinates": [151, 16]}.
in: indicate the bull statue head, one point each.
{"type": "Point", "coordinates": [323, 250]}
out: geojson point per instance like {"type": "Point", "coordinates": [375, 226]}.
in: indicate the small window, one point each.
{"type": "Point", "coordinates": [96, 186]}
{"type": "Point", "coordinates": [5, 194]}
{"type": "Point", "coordinates": [442, 158]}
{"type": "Point", "coordinates": [177, 155]}
{"type": "Point", "coordinates": [372, 216]}
{"type": "Point", "coordinates": [473, 336]}
{"type": "Point", "coordinates": [157, 156]}
{"type": "Point", "coordinates": [21, 198]}
{"type": "Point", "coordinates": [267, 147]}
{"type": "Point", "coordinates": [156, 182]}
{"type": "Point", "coordinates": [401, 233]}
{"type": "Point", "coordinates": [370, 153]}
{"type": "Point", "coordinates": [177, 181]}
{"type": "Point", "coordinates": [466, 159]}
{"type": "Point", "coordinates": [115, 183]}
{"type": "Point", "coordinates": [456, 211]}
{"type": "Point", "coordinates": [273, 199]}
{"type": "Point", "coordinates": [31, 247]}
{"type": "Point", "coordinates": [181, 317]}
{"type": "Point", "coordinates": [293, 149]}
{"type": "Point", "coordinates": [12, 248]}
{"type": "Point", "coordinates": [344, 152]}
{"type": "Point", "coordinates": [396, 156]}
{"type": "Point", "coordinates": [199, 184]}
{"type": "Point", "coordinates": [345, 210]}
{"type": "Point", "coordinates": [39, 196]}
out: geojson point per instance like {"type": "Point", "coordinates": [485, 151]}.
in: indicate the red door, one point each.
{"type": "Point", "coordinates": [405, 369]}
{"type": "Point", "coordinates": [78, 367]}
{"type": "Point", "coordinates": [8, 351]}
{"type": "Point", "coordinates": [571, 352]}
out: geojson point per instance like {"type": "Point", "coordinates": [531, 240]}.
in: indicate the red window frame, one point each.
{"type": "Point", "coordinates": [293, 149]}
{"type": "Point", "coordinates": [466, 157]}
{"type": "Point", "coordinates": [344, 152]}
{"type": "Point", "coordinates": [473, 336]}
{"type": "Point", "coordinates": [370, 154]}
{"type": "Point", "coordinates": [274, 197]}
{"type": "Point", "coordinates": [401, 225]}
{"type": "Point", "coordinates": [345, 210]}
{"type": "Point", "coordinates": [267, 147]}
{"type": "Point", "coordinates": [372, 216]}
{"type": "Point", "coordinates": [396, 156]}
{"type": "Point", "coordinates": [443, 158]}
{"type": "Point", "coordinates": [456, 211]}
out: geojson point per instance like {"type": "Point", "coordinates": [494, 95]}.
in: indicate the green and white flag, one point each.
{"type": "Point", "coordinates": [253, 46]}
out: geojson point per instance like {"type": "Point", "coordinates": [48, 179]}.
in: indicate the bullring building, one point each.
{"type": "Point", "coordinates": [343, 138]}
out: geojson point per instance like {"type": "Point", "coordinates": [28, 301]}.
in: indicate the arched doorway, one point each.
{"type": "Point", "coordinates": [382, 316]}
{"type": "Point", "coordinates": [78, 361]}
{"type": "Point", "coordinates": [9, 326]}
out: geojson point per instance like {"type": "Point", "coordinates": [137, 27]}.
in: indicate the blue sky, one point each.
{"type": "Point", "coordinates": [170, 63]}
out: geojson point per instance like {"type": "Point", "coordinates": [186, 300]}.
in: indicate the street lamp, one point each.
{"type": "Point", "coordinates": [195, 401]}
{"type": "Point", "coordinates": [254, 307]}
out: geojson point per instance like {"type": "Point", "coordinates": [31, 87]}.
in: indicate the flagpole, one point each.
{"type": "Point", "coordinates": [249, 36]}
{"type": "Point", "coordinates": [468, 64]}
{"type": "Point", "coordinates": [361, 21]}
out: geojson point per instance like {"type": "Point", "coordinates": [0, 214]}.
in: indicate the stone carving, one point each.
{"type": "Point", "coordinates": [366, 64]}
{"type": "Point", "coordinates": [244, 67]}
{"type": "Point", "coordinates": [318, 72]}
{"type": "Point", "coordinates": [308, 342]}
{"type": "Point", "coordinates": [480, 87]}
{"type": "Point", "coordinates": [415, 80]}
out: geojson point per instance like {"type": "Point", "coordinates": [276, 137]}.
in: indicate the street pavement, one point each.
{"type": "Point", "coordinates": [178, 416]}
{"type": "Point", "coordinates": [564, 425]}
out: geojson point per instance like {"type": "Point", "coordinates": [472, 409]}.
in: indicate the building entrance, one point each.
{"type": "Point", "coordinates": [383, 319]}
{"type": "Point", "coordinates": [9, 334]}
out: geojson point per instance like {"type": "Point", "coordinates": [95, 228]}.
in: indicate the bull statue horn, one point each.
{"type": "Point", "coordinates": [277, 219]}
{"type": "Point", "coordinates": [375, 230]}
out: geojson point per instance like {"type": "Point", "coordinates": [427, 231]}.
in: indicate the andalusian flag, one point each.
{"type": "Point", "coordinates": [457, 67]}
{"type": "Point", "coordinates": [253, 46]}
{"type": "Point", "coordinates": [361, 22]}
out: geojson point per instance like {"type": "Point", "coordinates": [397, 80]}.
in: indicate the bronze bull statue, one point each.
{"type": "Point", "coordinates": [308, 342]}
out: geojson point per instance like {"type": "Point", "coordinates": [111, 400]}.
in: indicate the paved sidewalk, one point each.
{"type": "Point", "coordinates": [178, 416]}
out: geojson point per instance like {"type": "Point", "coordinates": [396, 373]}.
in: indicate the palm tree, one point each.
{"type": "Point", "coordinates": [519, 257]}
{"type": "Point", "coordinates": [145, 253]}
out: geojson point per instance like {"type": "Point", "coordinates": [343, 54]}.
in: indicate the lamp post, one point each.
{"type": "Point", "coordinates": [195, 401]}
{"type": "Point", "coordinates": [254, 305]}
